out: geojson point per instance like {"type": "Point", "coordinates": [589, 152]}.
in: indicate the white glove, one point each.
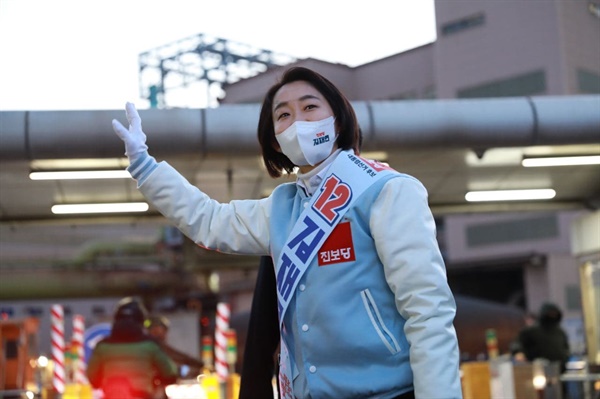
{"type": "Point", "coordinates": [134, 138]}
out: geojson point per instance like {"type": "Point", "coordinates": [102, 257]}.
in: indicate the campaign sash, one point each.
{"type": "Point", "coordinates": [347, 178]}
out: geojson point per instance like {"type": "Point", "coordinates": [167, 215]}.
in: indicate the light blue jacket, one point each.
{"type": "Point", "coordinates": [351, 327]}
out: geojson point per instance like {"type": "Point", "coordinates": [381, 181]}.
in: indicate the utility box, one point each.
{"type": "Point", "coordinates": [18, 353]}
{"type": "Point", "coordinates": [476, 380]}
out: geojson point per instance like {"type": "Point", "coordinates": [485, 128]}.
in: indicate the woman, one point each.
{"type": "Point", "coordinates": [364, 306]}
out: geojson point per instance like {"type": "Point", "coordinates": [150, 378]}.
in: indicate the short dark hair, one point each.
{"type": "Point", "coordinates": [345, 119]}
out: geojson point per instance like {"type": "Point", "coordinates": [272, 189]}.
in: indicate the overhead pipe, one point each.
{"type": "Point", "coordinates": [231, 129]}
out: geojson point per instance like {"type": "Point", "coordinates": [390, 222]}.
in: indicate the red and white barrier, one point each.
{"type": "Point", "coordinates": [77, 342]}
{"type": "Point", "coordinates": [222, 325]}
{"type": "Point", "coordinates": [58, 347]}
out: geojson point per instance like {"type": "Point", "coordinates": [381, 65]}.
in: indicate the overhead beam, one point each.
{"type": "Point", "coordinates": [459, 123]}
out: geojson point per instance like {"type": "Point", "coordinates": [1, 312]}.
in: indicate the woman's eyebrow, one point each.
{"type": "Point", "coordinates": [304, 97]}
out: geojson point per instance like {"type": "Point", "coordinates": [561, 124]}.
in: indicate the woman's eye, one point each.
{"type": "Point", "coordinates": [310, 106]}
{"type": "Point", "coordinates": [281, 116]}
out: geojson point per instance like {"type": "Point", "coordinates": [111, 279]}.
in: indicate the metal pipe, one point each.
{"type": "Point", "coordinates": [465, 123]}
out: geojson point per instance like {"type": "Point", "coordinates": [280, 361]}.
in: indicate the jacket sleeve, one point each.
{"type": "Point", "coordinates": [416, 274]}
{"type": "Point", "coordinates": [240, 226]}
{"type": "Point", "coordinates": [166, 368]}
{"type": "Point", "coordinates": [181, 358]}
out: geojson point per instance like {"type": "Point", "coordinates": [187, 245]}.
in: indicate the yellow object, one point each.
{"type": "Point", "coordinates": [476, 380]}
{"type": "Point", "coordinates": [210, 384]}
{"type": "Point", "coordinates": [77, 391]}
{"type": "Point", "coordinates": [233, 386]}
{"type": "Point", "coordinates": [71, 391]}
{"type": "Point", "coordinates": [86, 392]}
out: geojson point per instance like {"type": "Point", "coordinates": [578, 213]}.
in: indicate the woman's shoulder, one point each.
{"type": "Point", "coordinates": [403, 181]}
{"type": "Point", "coordinates": [288, 189]}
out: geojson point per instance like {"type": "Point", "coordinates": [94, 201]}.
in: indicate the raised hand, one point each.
{"type": "Point", "coordinates": [134, 138]}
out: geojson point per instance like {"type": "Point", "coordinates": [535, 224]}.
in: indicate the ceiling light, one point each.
{"type": "Point", "coordinates": [495, 157]}
{"type": "Point", "coordinates": [117, 207]}
{"type": "Point", "coordinates": [562, 161]}
{"type": "Point", "coordinates": [79, 174]}
{"type": "Point", "coordinates": [79, 164]}
{"type": "Point", "coordinates": [510, 195]}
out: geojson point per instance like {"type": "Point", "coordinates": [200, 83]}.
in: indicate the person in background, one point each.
{"type": "Point", "coordinates": [128, 364]}
{"type": "Point", "coordinates": [158, 328]}
{"type": "Point", "coordinates": [364, 306]}
{"type": "Point", "coordinates": [546, 339]}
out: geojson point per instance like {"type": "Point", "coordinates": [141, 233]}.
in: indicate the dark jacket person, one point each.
{"type": "Point", "coordinates": [546, 339]}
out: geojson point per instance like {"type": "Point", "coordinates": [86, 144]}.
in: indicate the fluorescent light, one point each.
{"type": "Point", "coordinates": [79, 164]}
{"type": "Point", "coordinates": [510, 195]}
{"type": "Point", "coordinates": [495, 157]}
{"type": "Point", "coordinates": [80, 174]}
{"type": "Point", "coordinates": [100, 208]}
{"type": "Point", "coordinates": [561, 161]}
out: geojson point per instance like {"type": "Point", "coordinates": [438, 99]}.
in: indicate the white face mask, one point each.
{"type": "Point", "coordinates": [308, 143]}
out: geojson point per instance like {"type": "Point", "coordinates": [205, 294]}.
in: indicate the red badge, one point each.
{"type": "Point", "coordinates": [378, 166]}
{"type": "Point", "coordinates": [338, 247]}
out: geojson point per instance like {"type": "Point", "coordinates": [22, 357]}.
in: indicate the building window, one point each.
{"type": "Point", "coordinates": [527, 84]}
{"type": "Point", "coordinates": [35, 311]}
{"type": "Point", "coordinates": [98, 310]}
{"type": "Point", "coordinates": [538, 228]}
{"type": "Point", "coordinates": [463, 24]}
{"type": "Point", "coordinates": [588, 82]}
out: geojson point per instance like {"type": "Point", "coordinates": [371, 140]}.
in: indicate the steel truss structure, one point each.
{"type": "Point", "coordinates": [213, 62]}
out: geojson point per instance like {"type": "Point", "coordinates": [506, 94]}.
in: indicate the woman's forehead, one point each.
{"type": "Point", "coordinates": [295, 91]}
